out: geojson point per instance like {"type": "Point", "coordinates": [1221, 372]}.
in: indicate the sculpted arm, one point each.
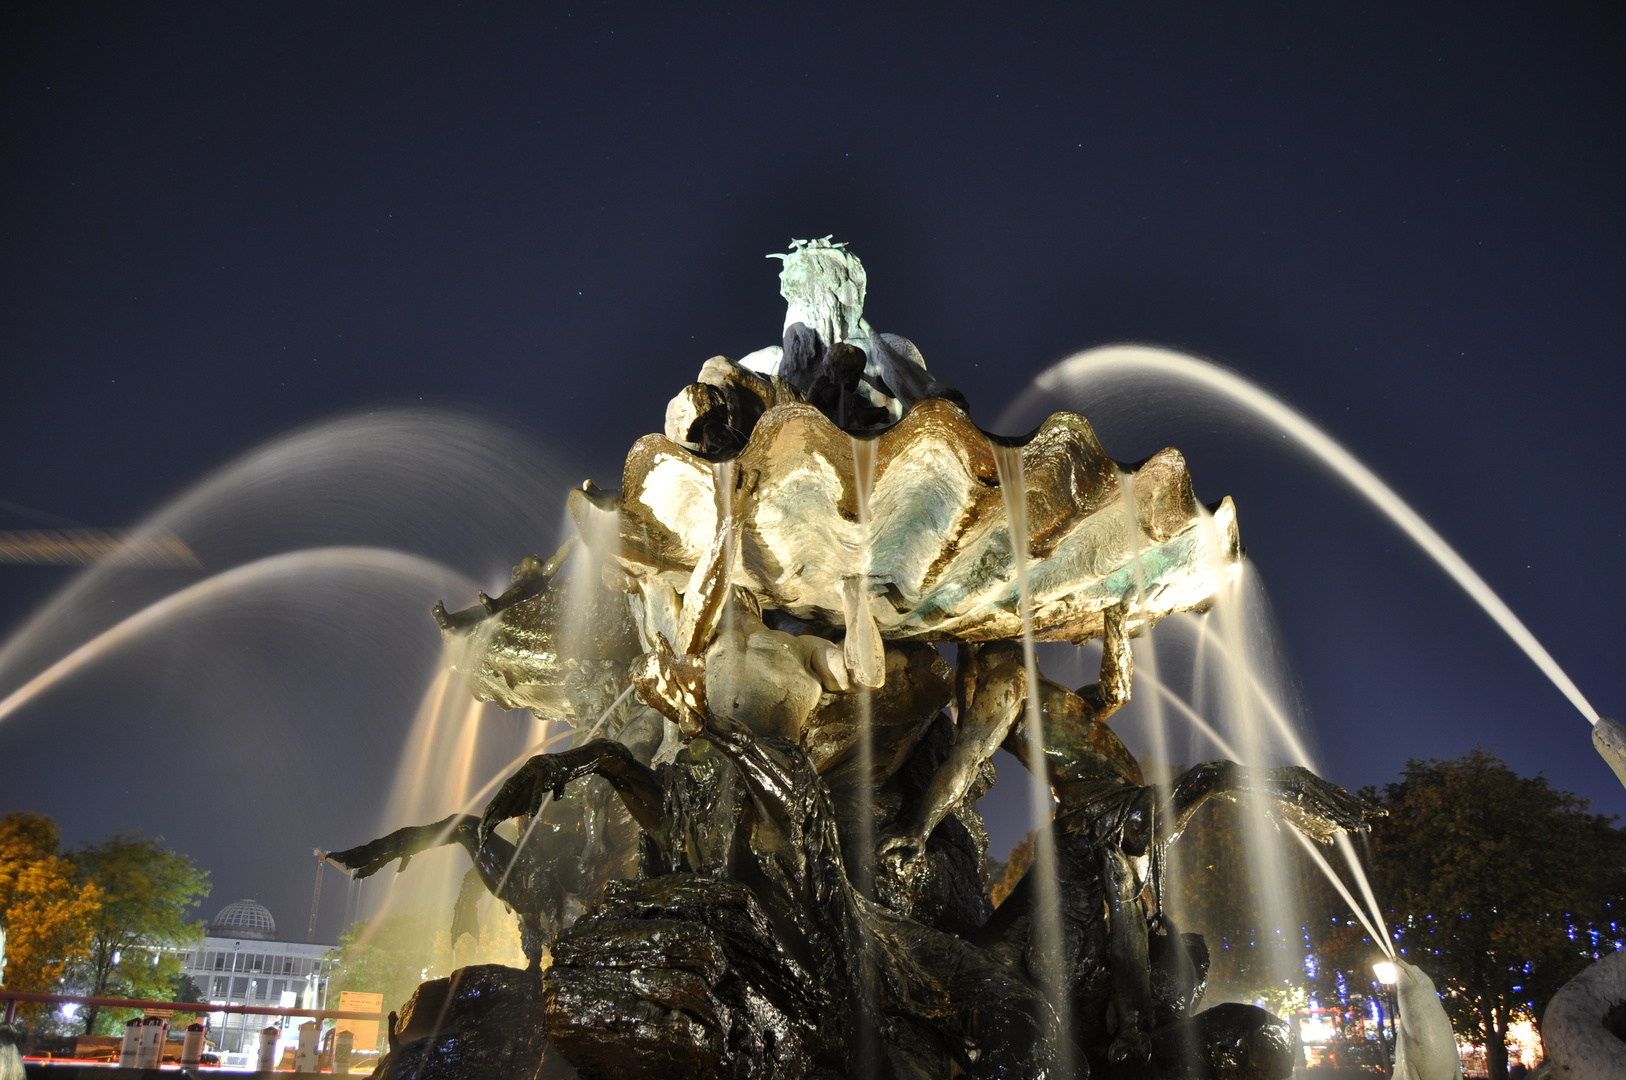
{"type": "Point", "coordinates": [637, 784]}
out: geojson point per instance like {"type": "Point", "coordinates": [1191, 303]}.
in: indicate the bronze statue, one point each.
{"type": "Point", "coordinates": [757, 627]}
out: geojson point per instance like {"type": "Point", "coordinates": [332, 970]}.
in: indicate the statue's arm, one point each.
{"type": "Point", "coordinates": [1111, 692]}
{"type": "Point", "coordinates": [369, 858]}
{"type": "Point", "coordinates": [521, 795]}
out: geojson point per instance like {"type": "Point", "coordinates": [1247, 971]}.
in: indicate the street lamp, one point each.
{"type": "Point", "coordinates": [1388, 974]}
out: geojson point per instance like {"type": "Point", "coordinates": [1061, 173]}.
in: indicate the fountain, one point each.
{"type": "Point", "coordinates": [762, 855]}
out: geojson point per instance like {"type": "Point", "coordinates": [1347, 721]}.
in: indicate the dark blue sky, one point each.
{"type": "Point", "coordinates": [222, 223]}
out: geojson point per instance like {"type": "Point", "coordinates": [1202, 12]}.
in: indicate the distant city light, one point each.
{"type": "Point", "coordinates": [1316, 1030]}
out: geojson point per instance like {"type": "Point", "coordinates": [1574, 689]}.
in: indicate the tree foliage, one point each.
{"type": "Point", "coordinates": [1502, 887]}
{"type": "Point", "coordinates": [392, 953]}
{"type": "Point", "coordinates": [1010, 871]}
{"type": "Point", "coordinates": [148, 897]}
{"type": "Point", "coordinates": [45, 909]}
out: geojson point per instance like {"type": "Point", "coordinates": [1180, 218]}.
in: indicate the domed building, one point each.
{"type": "Point", "coordinates": [244, 919]}
{"type": "Point", "coordinates": [242, 962]}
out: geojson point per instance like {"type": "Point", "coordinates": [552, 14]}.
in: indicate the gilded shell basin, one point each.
{"type": "Point", "coordinates": [918, 516]}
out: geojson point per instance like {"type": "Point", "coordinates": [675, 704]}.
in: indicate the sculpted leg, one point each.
{"type": "Point", "coordinates": [1111, 692]}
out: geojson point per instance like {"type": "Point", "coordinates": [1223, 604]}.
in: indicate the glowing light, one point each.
{"type": "Point", "coordinates": [1387, 971]}
{"type": "Point", "coordinates": [1316, 1030]}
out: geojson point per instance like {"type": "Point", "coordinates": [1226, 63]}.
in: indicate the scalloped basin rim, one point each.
{"type": "Point", "coordinates": [926, 528]}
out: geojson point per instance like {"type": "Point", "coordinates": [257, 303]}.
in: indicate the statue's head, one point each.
{"type": "Point", "coordinates": [823, 286]}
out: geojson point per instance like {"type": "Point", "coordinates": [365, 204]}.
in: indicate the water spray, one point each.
{"type": "Point", "coordinates": [222, 586]}
{"type": "Point", "coordinates": [1077, 372]}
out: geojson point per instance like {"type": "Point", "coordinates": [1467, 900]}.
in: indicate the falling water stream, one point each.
{"type": "Point", "coordinates": [1146, 661]}
{"type": "Point", "coordinates": [1201, 724]}
{"type": "Point", "coordinates": [1244, 602]}
{"type": "Point", "coordinates": [1261, 721]}
{"type": "Point", "coordinates": [863, 488]}
{"type": "Point", "coordinates": [857, 590]}
{"type": "Point", "coordinates": [1262, 841]}
{"type": "Point", "coordinates": [442, 756]}
{"type": "Point", "coordinates": [1046, 899]}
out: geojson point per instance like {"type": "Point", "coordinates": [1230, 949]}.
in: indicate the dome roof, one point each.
{"type": "Point", "coordinates": [244, 919]}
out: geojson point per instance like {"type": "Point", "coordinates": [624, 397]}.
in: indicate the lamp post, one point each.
{"type": "Point", "coordinates": [1388, 975]}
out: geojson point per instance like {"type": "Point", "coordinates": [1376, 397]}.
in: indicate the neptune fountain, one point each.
{"type": "Point", "coordinates": [790, 641]}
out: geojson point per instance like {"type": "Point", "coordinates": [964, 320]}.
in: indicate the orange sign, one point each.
{"type": "Point", "coordinates": [364, 1032]}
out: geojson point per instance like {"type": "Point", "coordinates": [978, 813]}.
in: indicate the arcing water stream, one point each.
{"type": "Point", "coordinates": [232, 585]}
{"type": "Point", "coordinates": [1255, 713]}
{"type": "Point", "coordinates": [303, 628]}
{"type": "Point", "coordinates": [1074, 379]}
{"type": "Point", "coordinates": [442, 757]}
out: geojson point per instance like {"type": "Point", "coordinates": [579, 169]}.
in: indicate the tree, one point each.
{"type": "Point", "coordinates": [1502, 888]}
{"type": "Point", "coordinates": [45, 911]}
{"type": "Point", "coordinates": [147, 896]}
{"type": "Point", "coordinates": [1010, 871]}
{"type": "Point", "coordinates": [392, 953]}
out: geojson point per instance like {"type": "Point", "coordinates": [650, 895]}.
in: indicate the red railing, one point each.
{"type": "Point", "coordinates": [182, 1006]}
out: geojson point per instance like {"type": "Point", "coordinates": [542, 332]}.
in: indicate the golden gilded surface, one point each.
{"type": "Point", "coordinates": [934, 552]}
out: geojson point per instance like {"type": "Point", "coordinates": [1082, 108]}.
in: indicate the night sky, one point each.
{"type": "Point", "coordinates": [511, 234]}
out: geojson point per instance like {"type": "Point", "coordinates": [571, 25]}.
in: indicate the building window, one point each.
{"type": "Point", "coordinates": [258, 961]}
{"type": "Point", "coordinates": [260, 987]}
{"type": "Point", "coordinates": [220, 987]}
{"type": "Point", "coordinates": [279, 988]}
{"type": "Point", "coordinates": [239, 987]}
{"type": "Point", "coordinates": [287, 965]}
{"type": "Point", "coordinates": [220, 961]}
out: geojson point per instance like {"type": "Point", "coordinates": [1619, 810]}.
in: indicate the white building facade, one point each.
{"type": "Point", "coordinates": [241, 962]}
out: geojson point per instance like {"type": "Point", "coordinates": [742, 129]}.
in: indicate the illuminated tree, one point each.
{"type": "Point", "coordinates": [46, 912]}
{"type": "Point", "coordinates": [148, 894]}
{"type": "Point", "coordinates": [1502, 888]}
{"type": "Point", "coordinates": [393, 953]}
